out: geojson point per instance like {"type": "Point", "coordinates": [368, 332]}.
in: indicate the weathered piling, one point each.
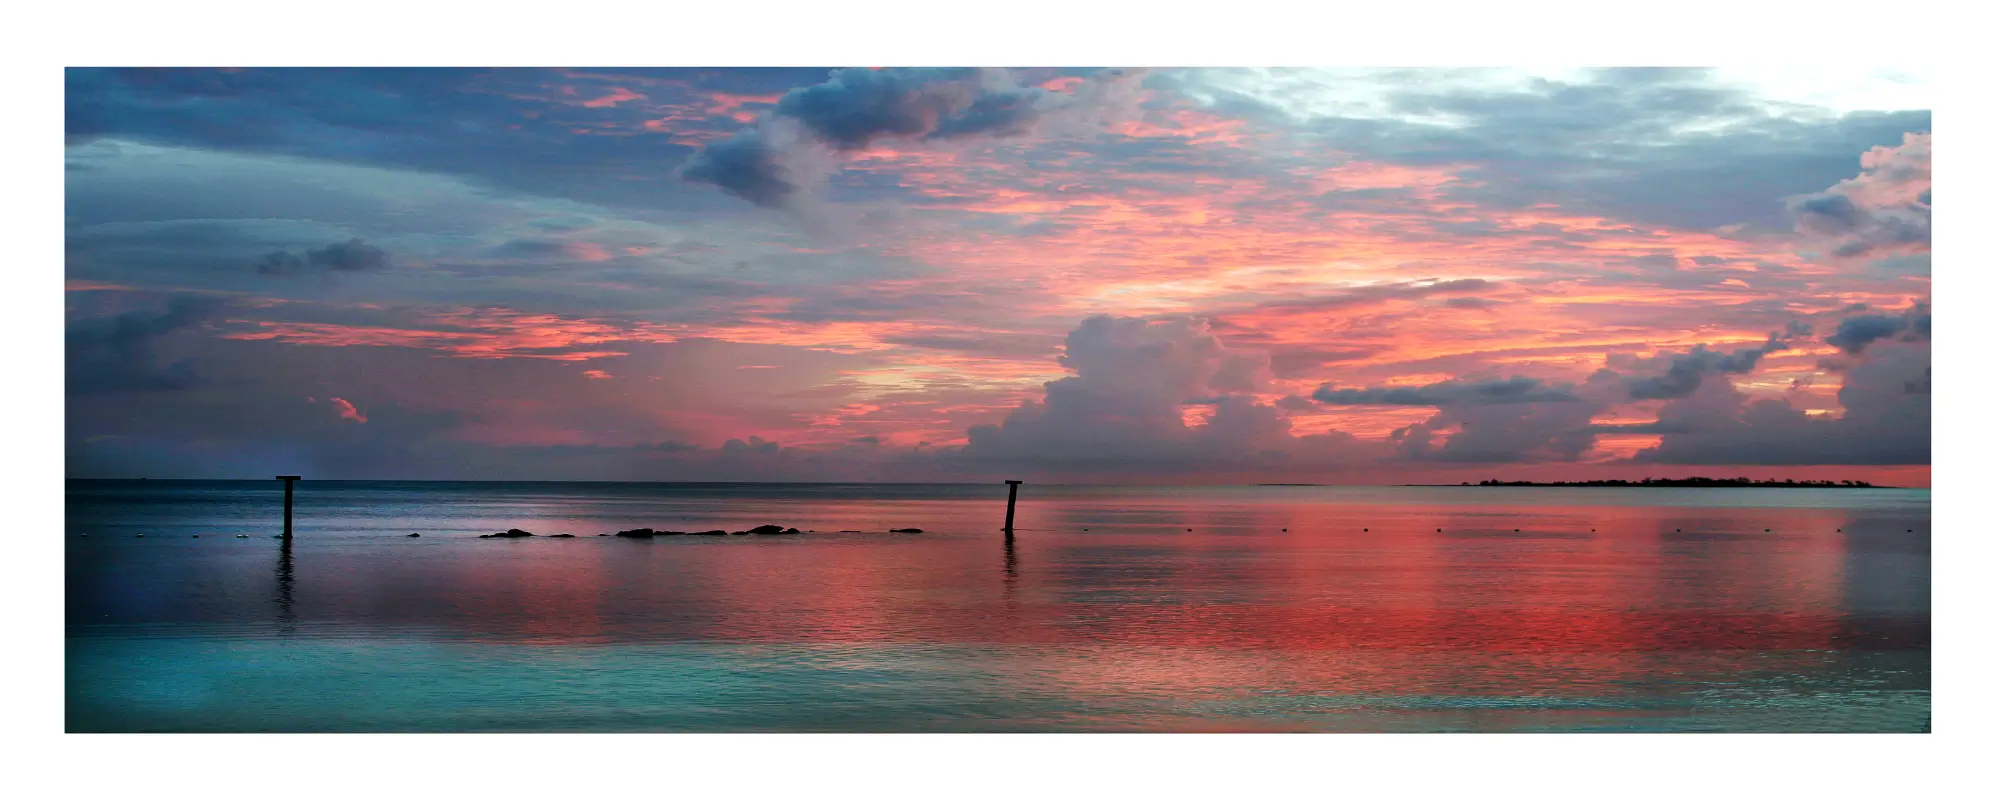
{"type": "Point", "coordinates": [288, 479]}
{"type": "Point", "coordinates": [1013, 487]}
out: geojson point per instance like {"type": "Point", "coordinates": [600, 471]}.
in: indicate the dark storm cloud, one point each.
{"type": "Point", "coordinates": [353, 255]}
{"type": "Point", "coordinates": [854, 108]}
{"type": "Point", "coordinates": [350, 256]}
{"type": "Point", "coordinates": [116, 353]}
{"type": "Point", "coordinates": [1490, 392]}
{"type": "Point", "coordinates": [744, 165]}
{"type": "Point", "coordinates": [1854, 334]}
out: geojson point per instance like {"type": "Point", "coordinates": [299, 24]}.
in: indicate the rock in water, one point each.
{"type": "Point", "coordinates": [637, 533]}
{"type": "Point", "coordinates": [766, 529]}
{"type": "Point", "coordinates": [413, 536]}
{"type": "Point", "coordinates": [906, 530]}
{"type": "Point", "coordinates": [709, 533]}
{"type": "Point", "coordinates": [512, 533]}
{"type": "Point", "coordinates": [563, 536]}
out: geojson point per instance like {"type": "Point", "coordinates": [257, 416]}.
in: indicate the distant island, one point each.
{"type": "Point", "coordinates": [1703, 483]}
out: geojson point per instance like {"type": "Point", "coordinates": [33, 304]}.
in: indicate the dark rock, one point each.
{"type": "Point", "coordinates": [708, 533]}
{"type": "Point", "coordinates": [637, 533]}
{"type": "Point", "coordinates": [563, 536]}
{"type": "Point", "coordinates": [512, 533]}
{"type": "Point", "coordinates": [767, 529]}
{"type": "Point", "coordinates": [413, 536]}
{"type": "Point", "coordinates": [906, 530]}
{"type": "Point", "coordinates": [669, 533]}
{"type": "Point", "coordinates": [604, 534]}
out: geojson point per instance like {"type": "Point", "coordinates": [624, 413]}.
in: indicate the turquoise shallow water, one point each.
{"type": "Point", "coordinates": [1233, 609]}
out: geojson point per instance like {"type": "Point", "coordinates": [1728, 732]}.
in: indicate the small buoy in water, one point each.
{"type": "Point", "coordinates": [1593, 530]}
{"type": "Point", "coordinates": [1086, 529]}
{"type": "Point", "coordinates": [1767, 530]}
{"type": "Point", "coordinates": [196, 536]}
{"type": "Point", "coordinates": [1440, 530]}
{"type": "Point", "coordinates": [1677, 530]}
{"type": "Point", "coordinates": [242, 536]}
{"type": "Point", "coordinates": [1517, 530]}
{"type": "Point", "coordinates": [1839, 530]}
{"type": "Point", "coordinates": [1190, 530]}
{"type": "Point", "coordinates": [413, 536]}
{"type": "Point", "coordinates": [1364, 530]}
{"type": "Point", "coordinates": [142, 536]}
{"type": "Point", "coordinates": [1288, 529]}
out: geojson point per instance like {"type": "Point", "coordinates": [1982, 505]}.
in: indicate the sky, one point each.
{"type": "Point", "coordinates": [1083, 275]}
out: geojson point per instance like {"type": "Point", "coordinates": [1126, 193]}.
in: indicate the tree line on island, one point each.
{"type": "Point", "coordinates": [1700, 482]}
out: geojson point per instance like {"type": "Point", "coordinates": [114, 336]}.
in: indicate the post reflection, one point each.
{"type": "Point", "coordinates": [287, 622]}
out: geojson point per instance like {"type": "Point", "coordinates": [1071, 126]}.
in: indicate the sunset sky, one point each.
{"type": "Point", "coordinates": [1085, 275]}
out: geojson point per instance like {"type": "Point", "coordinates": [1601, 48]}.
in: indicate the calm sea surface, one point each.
{"type": "Point", "coordinates": [1274, 608]}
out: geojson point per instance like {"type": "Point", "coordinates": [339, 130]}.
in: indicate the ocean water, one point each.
{"type": "Point", "coordinates": [1268, 608]}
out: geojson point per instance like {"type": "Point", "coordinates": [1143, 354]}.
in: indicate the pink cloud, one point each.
{"type": "Point", "coordinates": [619, 94]}
{"type": "Point", "coordinates": [348, 411]}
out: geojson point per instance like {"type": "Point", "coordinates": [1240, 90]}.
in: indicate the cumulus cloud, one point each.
{"type": "Point", "coordinates": [1523, 419]}
{"type": "Point", "coordinates": [1884, 211]}
{"type": "Point", "coordinates": [1685, 371]}
{"type": "Point", "coordinates": [1125, 407]}
{"type": "Point", "coordinates": [1885, 419]}
{"type": "Point", "coordinates": [794, 147]}
{"type": "Point", "coordinates": [116, 353]}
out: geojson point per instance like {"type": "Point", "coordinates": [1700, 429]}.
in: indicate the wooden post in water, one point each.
{"type": "Point", "coordinates": [288, 502]}
{"type": "Point", "coordinates": [1012, 488]}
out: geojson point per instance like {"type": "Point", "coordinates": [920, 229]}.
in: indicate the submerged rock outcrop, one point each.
{"type": "Point", "coordinates": [512, 533]}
